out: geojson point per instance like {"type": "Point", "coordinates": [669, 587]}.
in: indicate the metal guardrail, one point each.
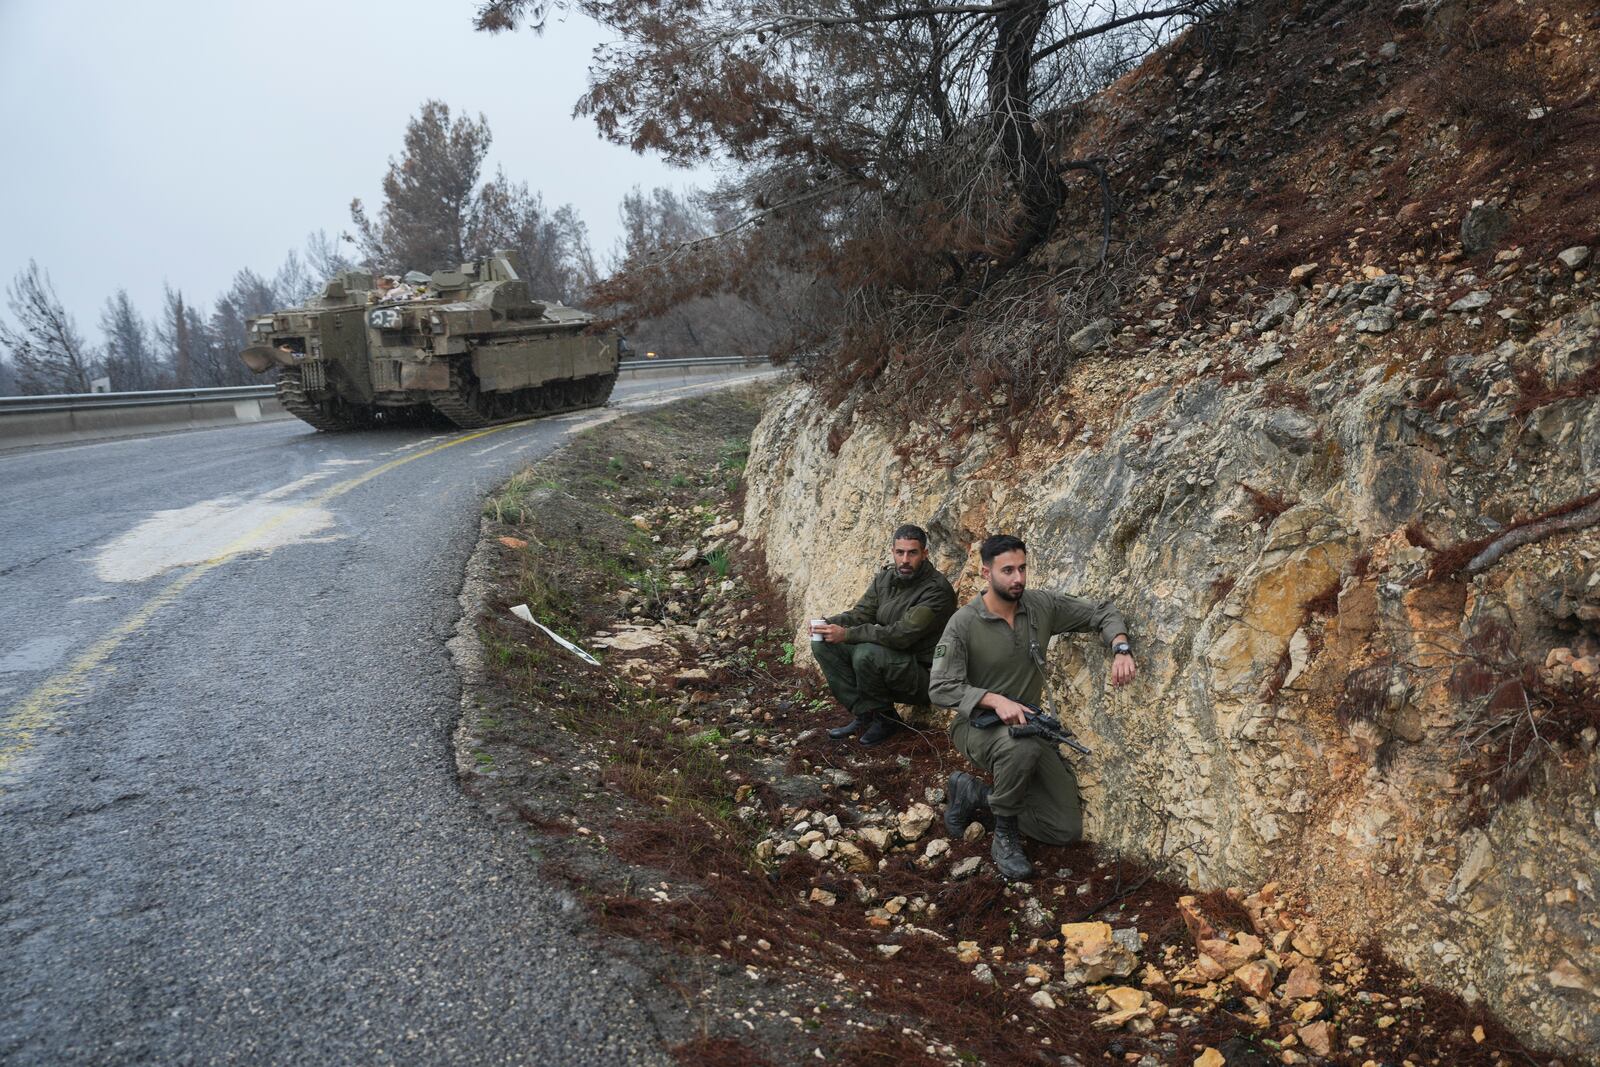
{"type": "Point", "coordinates": [160, 397]}
{"type": "Point", "coordinates": [150, 398]}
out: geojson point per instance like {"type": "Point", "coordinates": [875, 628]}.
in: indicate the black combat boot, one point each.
{"type": "Point", "coordinates": [1006, 850]}
{"type": "Point", "coordinates": [884, 726]}
{"type": "Point", "coordinates": [856, 724]}
{"type": "Point", "coordinates": [964, 796]}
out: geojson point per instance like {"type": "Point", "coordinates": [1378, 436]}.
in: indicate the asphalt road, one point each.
{"type": "Point", "coordinates": [230, 830]}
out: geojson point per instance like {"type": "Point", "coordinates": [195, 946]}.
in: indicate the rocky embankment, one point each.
{"type": "Point", "coordinates": [1355, 538]}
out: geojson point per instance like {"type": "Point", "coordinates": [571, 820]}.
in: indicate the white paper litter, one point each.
{"type": "Point", "coordinates": [521, 611]}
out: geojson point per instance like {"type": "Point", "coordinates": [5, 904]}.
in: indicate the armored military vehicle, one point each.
{"type": "Point", "coordinates": [471, 344]}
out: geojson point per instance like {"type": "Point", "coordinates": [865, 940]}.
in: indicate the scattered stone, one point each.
{"type": "Point", "coordinates": [721, 529]}
{"type": "Point", "coordinates": [984, 973]}
{"type": "Point", "coordinates": [1043, 999]}
{"type": "Point", "coordinates": [1306, 1011]}
{"type": "Point", "coordinates": [1269, 355]}
{"type": "Point", "coordinates": [686, 559]}
{"type": "Point", "coordinates": [973, 832]}
{"type": "Point", "coordinates": [1575, 257]}
{"type": "Point", "coordinates": [1280, 307]}
{"type": "Point", "coordinates": [1230, 955]}
{"type": "Point", "coordinates": [1303, 982]}
{"type": "Point", "coordinates": [1117, 1019]}
{"type": "Point", "coordinates": [1126, 997]}
{"type": "Point", "coordinates": [967, 952]}
{"type": "Point", "coordinates": [1152, 978]}
{"type": "Point", "coordinates": [889, 951]}
{"type": "Point", "coordinates": [1199, 928]}
{"type": "Point", "coordinates": [914, 821]}
{"type": "Point", "coordinates": [1092, 336]}
{"type": "Point", "coordinates": [640, 522]}
{"type": "Point", "coordinates": [1471, 302]}
{"type": "Point", "coordinates": [1392, 116]}
{"type": "Point", "coordinates": [1255, 978]}
{"type": "Point", "coordinates": [936, 849]}
{"type": "Point", "coordinates": [877, 837]}
{"type": "Point", "coordinates": [1209, 1057]}
{"type": "Point", "coordinates": [1308, 942]}
{"type": "Point", "coordinates": [1302, 272]}
{"type": "Point", "coordinates": [1376, 319]}
{"type": "Point", "coordinates": [824, 897]}
{"type": "Point", "coordinates": [1317, 1037]}
{"type": "Point", "coordinates": [517, 542]}
{"type": "Point", "coordinates": [1089, 953]}
{"type": "Point", "coordinates": [1482, 228]}
{"type": "Point", "coordinates": [966, 867]}
{"type": "Point", "coordinates": [851, 857]}
{"type": "Point", "coordinates": [684, 679]}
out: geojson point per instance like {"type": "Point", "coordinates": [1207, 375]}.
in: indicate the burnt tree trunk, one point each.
{"type": "Point", "coordinates": [1037, 186]}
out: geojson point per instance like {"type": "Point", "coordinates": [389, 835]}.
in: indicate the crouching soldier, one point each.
{"type": "Point", "coordinates": [878, 653]}
{"type": "Point", "coordinates": [991, 655]}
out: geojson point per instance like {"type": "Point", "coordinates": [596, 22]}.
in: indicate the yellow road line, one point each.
{"type": "Point", "coordinates": [37, 710]}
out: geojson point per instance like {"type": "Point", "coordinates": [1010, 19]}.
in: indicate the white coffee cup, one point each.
{"type": "Point", "coordinates": [814, 624]}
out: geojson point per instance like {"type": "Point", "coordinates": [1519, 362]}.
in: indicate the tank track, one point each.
{"type": "Point", "coordinates": [292, 395]}
{"type": "Point", "coordinates": [461, 403]}
{"type": "Point", "coordinates": [458, 403]}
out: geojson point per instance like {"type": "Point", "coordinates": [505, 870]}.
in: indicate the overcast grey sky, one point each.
{"type": "Point", "coordinates": [181, 140]}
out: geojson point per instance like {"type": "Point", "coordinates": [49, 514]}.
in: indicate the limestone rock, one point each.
{"type": "Point", "coordinates": [1317, 1037]}
{"type": "Point", "coordinates": [1255, 978]}
{"type": "Point", "coordinates": [914, 821]}
{"type": "Point", "coordinates": [1282, 306]}
{"type": "Point", "coordinates": [876, 836]}
{"type": "Point", "coordinates": [966, 867]}
{"type": "Point", "coordinates": [1210, 1057]}
{"type": "Point", "coordinates": [1575, 257]}
{"type": "Point", "coordinates": [1043, 999]}
{"type": "Point", "coordinates": [851, 857]}
{"type": "Point", "coordinates": [1089, 953]}
{"type": "Point", "coordinates": [1376, 319]}
{"type": "Point", "coordinates": [1266, 356]}
{"type": "Point", "coordinates": [1092, 336]}
{"type": "Point", "coordinates": [1302, 983]}
{"type": "Point", "coordinates": [1199, 928]}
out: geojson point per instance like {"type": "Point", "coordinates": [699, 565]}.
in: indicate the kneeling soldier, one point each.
{"type": "Point", "coordinates": [878, 652]}
{"type": "Point", "coordinates": [991, 655]}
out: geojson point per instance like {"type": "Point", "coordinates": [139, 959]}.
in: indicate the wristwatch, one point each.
{"type": "Point", "coordinates": [1122, 648]}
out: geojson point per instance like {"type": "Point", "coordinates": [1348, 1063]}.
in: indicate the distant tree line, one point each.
{"type": "Point", "coordinates": [438, 209]}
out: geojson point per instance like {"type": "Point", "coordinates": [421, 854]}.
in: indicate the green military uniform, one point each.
{"type": "Point", "coordinates": [980, 654]}
{"type": "Point", "coordinates": [889, 641]}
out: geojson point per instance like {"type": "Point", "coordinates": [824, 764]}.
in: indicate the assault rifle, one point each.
{"type": "Point", "coordinates": [1040, 724]}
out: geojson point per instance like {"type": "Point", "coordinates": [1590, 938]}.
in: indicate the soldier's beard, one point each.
{"type": "Point", "coordinates": [1013, 594]}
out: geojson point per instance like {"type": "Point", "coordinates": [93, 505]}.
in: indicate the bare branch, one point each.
{"type": "Point", "coordinates": [1116, 24]}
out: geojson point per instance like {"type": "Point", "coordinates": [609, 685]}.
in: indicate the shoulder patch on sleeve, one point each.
{"type": "Point", "coordinates": [940, 649]}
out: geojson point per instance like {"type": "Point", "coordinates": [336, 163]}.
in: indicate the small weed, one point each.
{"type": "Point", "coordinates": [614, 464]}
{"type": "Point", "coordinates": [679, 482]}
{"type": "Point", "coordinates": [735, 453]}
{"type": "Point", "coordinates": [705, 738]}
{"type": "Point", "coordinates": [787, 659]}
{"type": "Point", "coordinates": [719, 562]}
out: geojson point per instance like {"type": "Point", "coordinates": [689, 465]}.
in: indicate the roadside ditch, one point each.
{"type": "Point", "coordinates": [799, 894]}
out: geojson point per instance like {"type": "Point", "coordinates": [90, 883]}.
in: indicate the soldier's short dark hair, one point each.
{"type": "Point", "coordinates": [999, 545]}
{"type": "Point", "coordinates": [910, 532]}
